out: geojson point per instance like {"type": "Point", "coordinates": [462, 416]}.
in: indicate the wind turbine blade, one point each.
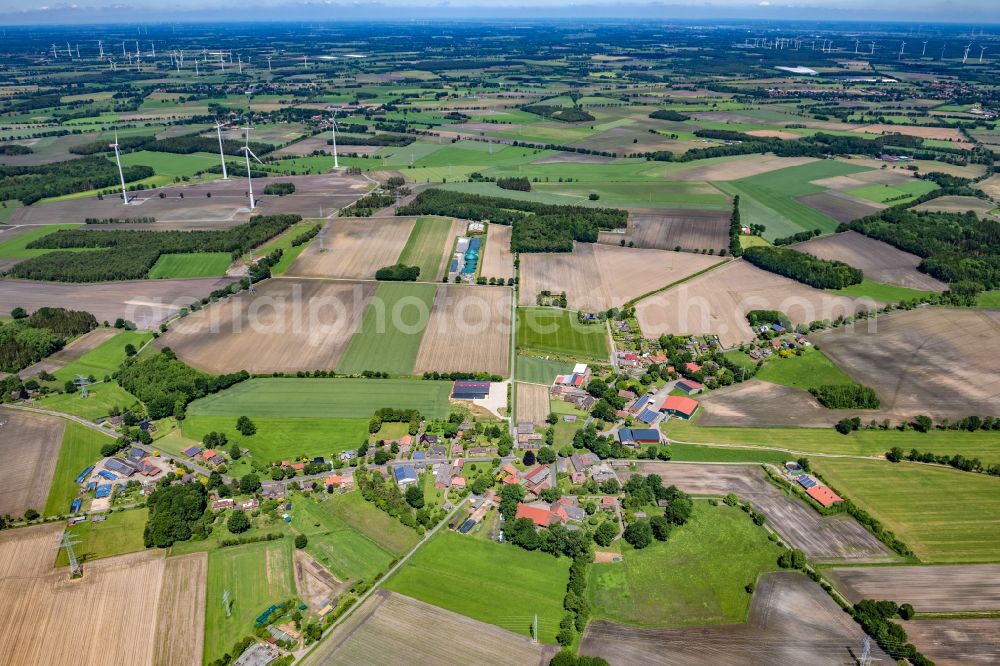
{"type": "Point", "coordinates": [254, 156]}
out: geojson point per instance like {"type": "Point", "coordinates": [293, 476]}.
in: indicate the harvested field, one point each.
{"type": "Point", "coordinates": [564, 157]}
{"type": "Point", "coordinates": [313, 581]}
{"type": "Point", "coordinates": [991, 186]}
{"type": "Point", "coordinates": [596, 276]}
{"type": "Point", "coordinates": [957, 205]}
{"type": "Point", "coordinates": [940, 133]}
{"type": "Point", "coordinates": [879, 261]}
{"type": "Point", "coordinates": [740, 167]}
{"type": "Point", "coordinates": [716, 303]}
{"type": "Point", "coordinates": [497, 258]}
{"type": "Point", "coordinates": [71, 352]}
{"type": "Point", "coordinates": [757, 403]}
{"type": "Point", "coordinates": [791, 621]}
{"type": "Point", "coordinates": [29, 447]}
{"type": "Point", "coordinates": [940, 362]}
{"type": "Point", "coordinates": [930, 589]}
{"type": "Point", "coordinates": [532, 403]}
{"type": "Point", "coordinates": [865, 178]}
{"type": "Point", "coordinates": [180, 625]}
{"type": "Point", "coordinates": [102, 618]}
{"type": "Point", "coordinates": [775, 134]}
{"type": "Point", "coordinates": [956, 642]}
{"type": "Point", "coordinates": [841, 207]}
{"type": "Point", "coordinates": [822, 538]}
{"type": "Point", "coordinates": [468, 331]}
{"type": "Point", "coordinates": [668, 229]}
{"type": "Point", "coordinates": [390, 628]}
{"type": "Point", "coordinates": [286, 326]}
{"type": "Point", "coordinates": [354, 247]}
{"type": "Point", "coordinates": [145, 302]}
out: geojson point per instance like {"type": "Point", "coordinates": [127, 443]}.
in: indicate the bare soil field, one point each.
{"type": "Point", "coordinates": [109, 616]}
{"type": "Point", "coordinates": [145, 302]}
{"type": "Point", "coordinates": [308, 145]}
{"type": "Point", "coordinates": [716, 303]}
{"type": "Point", "coordinates": [757, 403]}
{"type": "Point", "coordinates": [29, 446]}
{"type": "Point", "coordinates": [957, 205]}
{"type": "Point", "coordinates": [930, 589]}
{"type": "Point", "coordinates": [864, 178]}
{"type": "Point", "coordinates": [497, 258]}
{"type": "Point", "coordinates": [841, 207]}
{"type": "Point", "coordinates": [791, 621]}
{"type": "Point", "coordinates": [287, 325]}
{"type": "Point", "coordinates": [777, 134]}
{"type": "Point", "coordinates": [180, 623]}
{"type": "Point", "coordinates": [596, 276]}
{"type": "Point", "coordinates": [879, 261]}
{"type": "Point", "coordinates": [313, 581]}
{"type": "Point", "coordinates": [940, 133]}
{"type": "Point", "coordinates": [956, 642]}
{"type": "Point", "coordinates": [822, 538]}
{"type": "Point", "coordinates": [70, 352]}
{"type": "Point", "coordinates": [991, 186]}
{"type": "Point", "coordinates": [532, 403]}
{"type": "Point", "coordinates": [667, 229]}
{"type": "Point", "coordinates": [354, 247]}
{"type": "Point", "coordinates": [740, 167]}
{"type": "Point", "coordinates": [390, 628]}
{"type": "Point", "coordinates": [941, 361]}
{"type": "Point", "coordinates": [468, 331]}
{"type": "Point", "coordinates": [563, 157]}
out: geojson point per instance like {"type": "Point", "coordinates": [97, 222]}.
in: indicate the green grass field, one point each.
{"type": "Point", "coordinates": [696, 577]}
{"type": "Point", "coordinates": [425, 247]}
{"type": "Point", "coordinates": [101, 398]}
{"type": "Point", "coordinates": [984, 445]}
{"type": "Point", "coordinates": [256, 575]}
{"type": "Point", "coordinates": [283, 438]}
{"type": "Point", "coordinates": [557, 331]}
{"type": "Point", "coordinates": [499, 584]}
{"type": "Point", "coordinates": [285, 397]}
{"type": "Point", "coordinates": [369, 520]}
{"type": "Point", "coordinates": [537, 370]}
{"type": "Point", "coordinates": [810, 370]}
{"type": "Point", "coordinates": [121, 533]}
{"type": "Point", "coordinates": [81, 448]}
{"type": "Point", "coordinates": [347, 553]}
{"type": "Point", "coordinates": [284, 241]}
{"type": "Point", "coordinates": [170, 164]}
{"type": "Point", "coordinates": [389, 338]}
{"type": "Point", "coordinates": [879, 291]}
{"type": "Point", "coordinates": [193, 265]}
{"type": "Point", "coordinates": [16, 247]}
{"type": "Point", "coordinates": [894, 194]}
{"type": "Point", "coordinates": [105, 358]}
{"type": "Point", "coordinates": [988, 299]}
{"type": "Point", "coordinates": [942, 514]}
{"type": "Point", "coordinates": [695, 453]}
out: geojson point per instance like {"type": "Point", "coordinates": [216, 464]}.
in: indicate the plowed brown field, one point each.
{"type": "Point", "coordinates": [468, 331]}
{"type": "Point", "coordinates": [354, 247]}
{"type": "Point", "coordinates": [29, 446]}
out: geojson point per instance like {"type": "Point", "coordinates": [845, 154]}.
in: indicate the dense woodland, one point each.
{"type": "Point", "coordinates": [29, 184]}
{"type": "Point", "coordinates": [537, 227]}
{"type": "Point", "coordinates": [29, 339]}
{"type": "Point", "coordinates": [180, 145]}
{"type": "Point", "coordinates": [805, 268]}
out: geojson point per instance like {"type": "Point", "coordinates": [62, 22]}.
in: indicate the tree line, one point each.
{"type": "Point", "coordinates": [29, 184]}
{"type": "Point", "coordinates": [803, 267]}
{"type": "Point", "coordinates": [27, 340]}
{"type": "Point", "coordinates": [178, 145]}
{"type": "Point", "coordinates": [846, 396]}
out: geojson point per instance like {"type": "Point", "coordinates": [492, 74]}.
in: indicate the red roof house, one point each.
{"type": "Point", "coordinates": [537, 514]}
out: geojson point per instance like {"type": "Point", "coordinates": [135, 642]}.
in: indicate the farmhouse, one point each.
{"type": "Point", "coordinates": [579, 378]}
{"type": "Point", "coordinates": [638, 436]}
{"type": "Point", "coordinates": [679, 406]}
{"type": "Point", "coordinates": [469, 390]}
{"type": "Point", "coordinates": [192, 451]}
{"type": "Point", "coordinates": [542, 514]}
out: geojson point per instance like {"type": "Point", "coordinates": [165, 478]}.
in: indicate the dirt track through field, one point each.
{"type": "Point", "coordinates": [29, 447]}
{"type": "Point", "coordinates": [180, 626]}
{"type": "Point", "coordinates": [669, 229]}
{"type": "Point", "coordinates": [393, 629]}
{"type": "Point", "coordinates": [879, 261]}
{"type": "Point", "coordinates": [287, 325]}
{"type": "Point", "coordinates": [468, 331]}
{"type": "Point", "coordinates": [70, 352]}
{"type": "Point", "coordinates": [956, 642]}
{"type": "Point", "coordinates": [498, 261]}
{"type": "Point", "coordinates": [791, 621]}
{"type": "Point", "coordinates": [822, 538]}
{"type": "Point", "coordinates": [936, 361]}
{"type": "Point", "coordinates": [107, 617]}
{"type": "Point", "coordinates": [532, 403]}
{"type": "Point", "coordinates": [929, 589]}
{"type": "Point", "coordinates": [354, 247]}
{"type": "Point", "coordinates": [716, 303]}
{"type": "Point", "coordinates": [145, 302]}
{"type": "Point", "coordinates": [596, 276]}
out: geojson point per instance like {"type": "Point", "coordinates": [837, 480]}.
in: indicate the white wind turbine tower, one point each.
{"type": "Point", "coordinates": [333, 129]}
{"type": "Point", "coordinates": [239, 62]}
{"type": "Point", "coordinates": [269, 63]}
{"type": "Point", "coordinates": [924, 52]}
{"type": "Point", "coordinates": [121, 175]}
{"type": "Point", "coordinates": [305, 61]}
{"type": "Point", "coordinates": [55, 53]}
{"type": "Point", "coordinates": [873, 48]}
{"type": "Point", "coordinates": [100, 45]}
{"type": "Point", "coordinates": [247, 153]}
{"type": "Point", "coordinates": [857, 43]}
{"type": "Point", "coordinates": [982, 51]}
{"type": "Point", "coordinates": [77, 51]}
{"type": "Point", "coordinates": [196, 72]}
{"type": "Point", "coordinates": [222, 155]}
{"type": "Point", "coordinates": [966, 56]}
{"type": "Point", "coordinates": [902, 49]}
{"type": "Point", "coordinates": [152, 49]}
{"type": "Point", "coordinates": [124, 53]}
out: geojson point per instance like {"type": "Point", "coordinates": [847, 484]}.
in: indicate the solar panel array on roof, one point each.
{"type": "Point", "coordinates": [467, 525]}
{"type": "Point", "coordinates": [806, 481]}
{"type": "Point", "coordinates": [105, 474]}
{"type": "Point", "coordinates": [91, 486]}
{"type": "Point", "coordinates": [75, 506]}
{"type": "Point", "coordinates": [103, 490]}
{"type": "Point", "coordinates": [647, 416]}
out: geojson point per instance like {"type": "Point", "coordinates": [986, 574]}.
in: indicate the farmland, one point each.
{"type": "Point", "coordinates": [181, 612]}
{"type": "Point", "coordinates": [497, 584]}
{"type": "Point", "coordinates": [480, 316]}
{"type": "Point", "coordinates": [101, 398]}
{"type": "Point", "coordinates": [355, 248]}
{"type": "Point", "coordinates": [29, 446]}
{"type": "Point", "coordinates": [281, 438]}
{"type": "Point", "coordinates": [119, 534]}
{"type": "Point", "coordinates": [80, 448]}
{"type": "Point", "coordinates": [105, 358]}
{"type": "Point", "coordinates": [932, 589]}
{"type": "Point", "coordinates": [532, 403]}
{"type": "Point", "coordinates": [962, 524]}
{"type": "Point", "coordinates": [537, 370]}
{"type": "Point", "coordinates": [686, 229]}
{"type": "Point", "coordinates": [697, 577]}
{"type": "Point", "coordinates": [559, 332]}
{"type": "Point", "coordinates": [429, 240]}
{"type": "Point", "coordinates": [957, 642]}
{"type": "Point", "coordinates": [194, 265]}
{"type": "Point", "coordinates": [368, 520]}
{"type": "Point", "coordinates": [811, 369]}
{"type": "Point", "coordinates": [498, 261]}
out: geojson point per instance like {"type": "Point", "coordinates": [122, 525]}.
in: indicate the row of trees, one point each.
{"type": "Point", "coordinates": [896, 454]}
{"type": "Point", "coordinates": [28, 184]}
{"type": "Point", "coordinates": [178, 145]}
{"type": "Point", "coordinates": [805, 268]}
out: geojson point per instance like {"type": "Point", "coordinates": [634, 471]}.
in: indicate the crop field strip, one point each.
{"type": "Point", "coordinates": [354, 247]}
{"type": "Point", "coordinates": [79, 448]}
{"type": "Point", "coordinates": [194, 265]}
{"type": "Point", "coordinates": [667, 230]}
{"type": "Point", "coordinates": [29, 447]}
{"type": "Point", "coordinates": [468, 331]}
{"type": "Point", "coordinates": [71, 352]}
{"type": "Point", "coordinates": [971, 642]}
{"type": "Point", "coordinates": [180, 619]}
{"type": "Point", "coordinates": [931, 589]}
{"type": "Point", "coordinates": [429, 240]}
{"type": "Point", "coordinates": [498, 261]}
{"type": "Point", "coordinates": [532, 403]}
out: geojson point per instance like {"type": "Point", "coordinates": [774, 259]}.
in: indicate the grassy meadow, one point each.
{"type": "Point", "coordinates": [558, 332]}
{"type": "Point", "coordinates": [81, 448]}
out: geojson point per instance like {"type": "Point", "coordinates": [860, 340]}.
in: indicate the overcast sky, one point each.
{"type": "Point", "coordinates": [46, 11]}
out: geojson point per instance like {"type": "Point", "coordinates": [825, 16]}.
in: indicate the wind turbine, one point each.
{"type": "Point", "coordinates": [966, 56]}
{"type": "Point", "coordinates": [121, 175]}
{"type": "Point", "coordinates": [222, 155]}
{"type": "Point", "coordinates": [269, 63]}
{"type": "Point", "coordinates": [55, 53]}
{"type": "Point", "coordinates": [247, 153]}
{"type": "Point", "coordinates": [857, 43]}
{"type": "Point", "coordinates": [239, 61]}
{"type": "Point", "coordinates": [305, 61]}
{"type": "Point", "coordinates": [924, 52]}
{"type": "Point", "coordinates": [902, 49]}
{"type": "Point", "coordinates": [333, 129]}
{"type": "Point", "coordinates": [943, 46]}
{"type": "Point", "coordinates": [873, 48]}
{"type": "Point", "coordinates": [100, 45]}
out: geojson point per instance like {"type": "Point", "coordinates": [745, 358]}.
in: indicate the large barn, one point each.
{"type": "Point", "coordinates": [469, 390]}
{"type": "Point", "coordinates": [680, 406]}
